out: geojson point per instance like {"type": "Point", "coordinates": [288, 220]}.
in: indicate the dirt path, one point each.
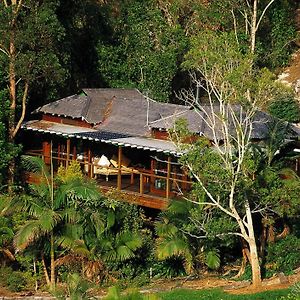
{"type": "Point", "coordinates": [207, 282]}
{"type": "Point", "coordinates": [230, 286]}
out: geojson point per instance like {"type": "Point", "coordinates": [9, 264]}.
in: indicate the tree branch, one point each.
{"type": "Point", "coordinates": [210, 196]}
{"type": "Point", "coordinates": [217, 235]}
{"type": "Point", "coordinates": [3, 50]}
{"type": "Point", "coordinates": [25, 94]}
{"type": "Point", "coordinates": [235, 26]}
{"type": "Point", "coordinates": [263, 13]}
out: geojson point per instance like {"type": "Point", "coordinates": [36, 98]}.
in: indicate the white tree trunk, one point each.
{"type": "Point", "coordinates": [254, 260]}
{"type": "Point", "coordinates": [255, 266]}
{"type": "Point", "coordinates": [253, 27]}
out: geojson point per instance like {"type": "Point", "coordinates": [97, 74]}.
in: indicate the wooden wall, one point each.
{"type": "Point", "coordinates": [67, 121]}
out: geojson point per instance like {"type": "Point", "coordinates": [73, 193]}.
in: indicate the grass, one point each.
{"type": "Point", "coordinates": [216, 294]}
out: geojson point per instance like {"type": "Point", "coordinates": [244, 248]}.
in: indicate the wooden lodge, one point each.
{"type": "Point", "coordinates": [120, 138]}
{"type": "Point", "coordinates": [110, 133]}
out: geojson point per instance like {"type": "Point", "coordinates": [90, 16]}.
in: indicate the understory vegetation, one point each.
{"type": "Point", "coordinates": [63, 226]}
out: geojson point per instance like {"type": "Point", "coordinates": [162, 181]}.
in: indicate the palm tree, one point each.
{"type": "Point", "coordinates": [98, 242]}
{"type": "Point", "coordinates": [70, 214]}
{"type": "Point", "coordinates": [177, 239]}
{"type": "Point", "coordinates": [52, 207]}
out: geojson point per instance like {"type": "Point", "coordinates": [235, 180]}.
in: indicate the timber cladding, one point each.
{"type": "Point", "coordinates": [66, 121]}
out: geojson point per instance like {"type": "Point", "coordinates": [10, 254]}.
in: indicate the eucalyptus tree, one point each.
{"type": "Point", "coordinates": [234, 93]}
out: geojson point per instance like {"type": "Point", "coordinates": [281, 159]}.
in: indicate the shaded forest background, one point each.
{"type": "Point", "coordinates": [141, 44]}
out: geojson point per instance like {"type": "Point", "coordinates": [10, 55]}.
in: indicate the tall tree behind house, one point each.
{"type": "Point", "coordinates": [29, 38]}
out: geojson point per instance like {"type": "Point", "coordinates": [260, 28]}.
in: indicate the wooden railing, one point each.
{"type": "Point", "coordinates": [164, 186]}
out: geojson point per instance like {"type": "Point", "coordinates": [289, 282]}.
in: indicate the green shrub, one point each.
{"type": "Point", "coordinates": [5, 272]}
{"type": "Point", "coordinates": [16, 281]}
{"type": "Point", "coordinates": [169, 268]}
{"type": "Point", "coordinates": [114, 293]}
{"type": "Point", "coordinates": [285, 108]}
{"type": "Point", "coordinates": [247, 274]}
{"type": "Point", "coordinates": [294, 293]}
{"type": "Point", "coordinates": [283, 256]}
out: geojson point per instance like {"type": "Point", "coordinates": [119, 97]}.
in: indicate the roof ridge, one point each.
{"type": "Point", "coordinates": [170, 116]}
{"type": "Point", "coordinates": [86, 107]}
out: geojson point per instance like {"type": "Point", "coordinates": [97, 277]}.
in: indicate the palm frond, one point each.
{"type": "Point", "coordinates": [35, 208]}
{"type": "Point", "coordinates": [77, 190]}
{"type": "Point", "coordinates": [10, 205]}
{"type": "Point", "coordinates": [165, 229]}
{"type": "Point", "coordinates": [36, 165]}
{"type": "Point", "coordinates": [179, 208]}
{"type": "Point", "coordinates": [111, 218]}
{"type": "Point", "coordinates": [5, 204]}
{"type": "Point", "coordinates": [69, 235]}
{"type": "Point", "coordinates": [81, 249]}
{"type": "Point", "coordinates": [188, 263]}
{"type": "Point", "coordinates": [78, 247]}
{"type": "Point", "coordinates": [288, 173]}
{"type": "Point", "coordinates": [123, 247]}
{"type": "Point", "coordinates": [87, 191]}
{"type": "Point", "coordinates": [64, 241]}
{"type": "Point", "coordinates": [213, 259]}
{"type": "Point", "coordinates": [169, 247]}
{"type": "Point", "coordinates": [131, 240]}
{"type": "Point", "coordinates": [70, 215]}
{"type": "Point", "coordinates": [48, 220]}
{"type": "Point", "coordinates": [6, 234]}
{"type": "Point", "coordinates": [98, 222]}
{"type": "Point", "coordinates": [28, 233]}
{"type": "Point", "coordinates": [110, 255]}
{"type": "Point", "coordinates": [42, 192]}
{"type": "Point", "coordinates": [123, 253]}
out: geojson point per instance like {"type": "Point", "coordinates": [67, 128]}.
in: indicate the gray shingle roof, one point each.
{"type": "Point", "coordinates": [72, 106]}
{"type": "Point", "coordinates": [91, 106]}
{"type": "Point", "coordinates": [133, 116]}
{"type": "Point", "coordinates": [116, 110]}
{"type": "Point", "coordinates": [196, 122]}
{"type": "Point", "coordinates": [130, 113]}
{"type": "Point", "coordinates": [101, 100]}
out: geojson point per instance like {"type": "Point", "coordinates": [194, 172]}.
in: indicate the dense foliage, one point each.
{"type": "Point", "coordinates": [286, 108]}
{"type": "Point", "coordinates": [144, 50]}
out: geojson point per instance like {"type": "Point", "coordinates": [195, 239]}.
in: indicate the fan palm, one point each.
{"type": "Point", "coordinates": [106, 236]}
{"type": "Point", "coordinates": [69, 215]}
{"type": "Point", "coordinates": [177, 239]}
{"type": "Point", "coordinates": [100, 242]}
{"type": "Point", "coordinates": [171, 242]}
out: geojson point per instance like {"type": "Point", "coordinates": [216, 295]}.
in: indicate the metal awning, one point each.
{"type": "Point", "coordinates": [117, 139]}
